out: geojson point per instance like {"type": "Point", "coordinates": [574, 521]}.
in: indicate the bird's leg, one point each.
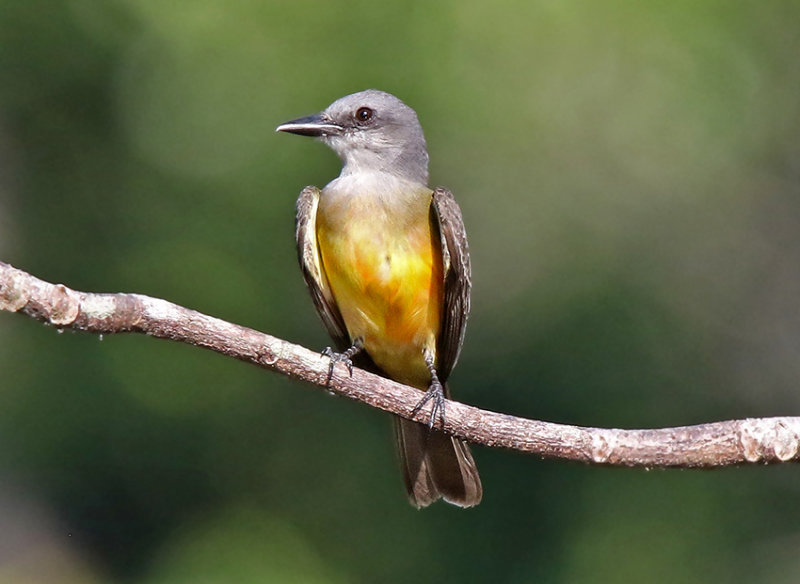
{"type": "Point", "coordinates": [435, 392]}
{"type": "Point", "coordinates": [343, 357]}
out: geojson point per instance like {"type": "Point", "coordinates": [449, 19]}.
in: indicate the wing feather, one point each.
{"type": "Point", "coordinates": [457, 279]}
{"type": "Point", "coordinates": [313, 271]}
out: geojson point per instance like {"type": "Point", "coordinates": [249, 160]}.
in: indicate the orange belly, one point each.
{"type": "Point", "coordinates": [387, 282]}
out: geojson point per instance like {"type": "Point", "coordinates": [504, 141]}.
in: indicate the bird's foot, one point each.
{"type": "Point", "coordinates": [434, 394]}
{"type": "Point", "coordinates": [344, 357]}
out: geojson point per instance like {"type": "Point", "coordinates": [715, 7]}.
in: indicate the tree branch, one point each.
{"type": "Point", "coordinates": [760, 440]}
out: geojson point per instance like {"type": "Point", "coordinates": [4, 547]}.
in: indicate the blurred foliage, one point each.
{"type": "Point", "coordinates": [630, 182]}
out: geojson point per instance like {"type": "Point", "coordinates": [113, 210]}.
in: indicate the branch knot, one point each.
{"type": "Point", "coordinates": [770, 439]}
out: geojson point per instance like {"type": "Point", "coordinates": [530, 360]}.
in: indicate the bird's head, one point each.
{"type": "Point", "coordinates": [371, 131]}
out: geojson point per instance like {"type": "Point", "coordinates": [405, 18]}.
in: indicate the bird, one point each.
{"type": "Point", "coordinates": [386, 260]}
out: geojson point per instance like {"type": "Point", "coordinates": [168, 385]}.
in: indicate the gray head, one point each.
{"type": "Point", "coordinates": [370, 131]}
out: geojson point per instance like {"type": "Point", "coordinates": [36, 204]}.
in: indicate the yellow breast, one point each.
{"type": "Point", "coordinates": [384, 267]}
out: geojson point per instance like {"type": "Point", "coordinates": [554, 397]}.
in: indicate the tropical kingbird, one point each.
{"type": "Point", "coordinates": [386, 261]}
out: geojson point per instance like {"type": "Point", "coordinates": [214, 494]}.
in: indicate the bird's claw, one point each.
{"type": "Point", "coordinates": [344, 358]}
{"type": "Point", "coordinates": [337, 358]}
{"type": "Point", "coordinates": [434, 394]}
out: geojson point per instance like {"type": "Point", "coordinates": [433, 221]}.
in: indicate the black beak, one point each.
{"type": "Point", "coordinates": [315, 125]}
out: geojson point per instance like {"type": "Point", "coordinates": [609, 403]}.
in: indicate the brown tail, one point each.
{"type": "Point", "coordinates": [436, 466]}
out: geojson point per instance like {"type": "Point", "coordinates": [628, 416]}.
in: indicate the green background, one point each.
{"type": "Point", "coordinates": [629, 174]}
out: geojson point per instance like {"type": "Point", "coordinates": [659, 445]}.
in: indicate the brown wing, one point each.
{"type": "Point", "coordinates": [457, 279]}
{"type": "Point", "coordinates": [313, 272]}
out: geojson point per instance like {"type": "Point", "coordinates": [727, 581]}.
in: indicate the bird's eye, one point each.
{"type": "Point", "coordinates": [364, 114]}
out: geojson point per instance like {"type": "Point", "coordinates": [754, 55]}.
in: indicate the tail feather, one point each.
{"type": "Point", "coordinates": [436, 466]}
